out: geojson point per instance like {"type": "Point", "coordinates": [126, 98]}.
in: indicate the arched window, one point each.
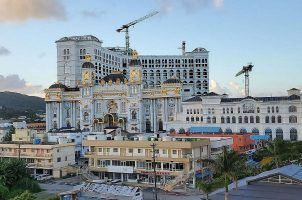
{"type": "Point", "coordinates": [133, 114]}
{"type": "Point", "coordinates": [213, 120]}
{"type": "Point", "coordinates": [279, 119]}
{"type": "Point", "coordinates": [233, 119]}
{"type": "Point", "coordinates": [208, 120]}
{"type": "Point", "coordinates": [252, 119]}
{"type": "Point", "coordinates": [238, 109]}
{"type": "Point", "coordinates": [293, 134]}
{"type": "Point", "coordinates": [243, 131]}
{"type": "Point", "coordinates": [292, 109]}
{"type": "Point", "coordinates": [187, 119]}
{"type": "Point", "coordinates": [277, 109]}
{"type": "Point", "coordinates": [240, 119]}
{"type": "Point", "coordinates": [268, 109]}
{"type": "Point", "coordinates": [279, 134]}
{"type": "Point", "coordinates": [197, 119]}
{"type": "Point", "coordinates": [223, 110]}
{"type": "Point", "coordinates": [157, 74]}
{"type": "Point", "coordinates": [255, 131]}
{"type": "Point", "coordinates": [145, 74]}
{"type": "Point", "coordinates": [228, 131]}
{"type": "Point", "coordinates": [267, 119]}
{"type": "Point", "coordinates": [257, 119]}
{"type": "Point", "coordinates": [151, 74]}
{"type": "Point", "coordinates": [213, 111]}
{"type": "Point", "coordinates": [171, 73]}
{"type": "Point", "coordinates": [273, 118]}
{"type": "Point", "coordinates": [222, 120]}
{"type": "Point", "coordinates": [232, 110]}
{"type": "Point", "coordinates": [228, 110]}
{"type": "Point", "coordinates": [246, 119]}
{"type": "Point", "coordinates": [165, 74]}
{"type": "Point", "coordinates": [293, 119]}
{"type": "Point", "coordinates": [228, 119]}
{"type": "Point", "coordinates": [273, 109]}
{"type": "Point", "coordinates": [192, 119]}
{"type": "Point", "coordinates": [258, 110]}
{"type": "Point", "coordinates": [269, 132]}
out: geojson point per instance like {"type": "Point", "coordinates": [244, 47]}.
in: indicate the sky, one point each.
{"type": "Point", "coordinates": [236, 32]}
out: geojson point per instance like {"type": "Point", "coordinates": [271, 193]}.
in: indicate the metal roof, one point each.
{"type": "Point", "coordinates": [202, 129]}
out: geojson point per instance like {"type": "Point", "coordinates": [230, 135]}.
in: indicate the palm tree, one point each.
{"type": "Point", "coordinates": [226, 164]}
{"type": "Point", "coordinates": [208, 186]}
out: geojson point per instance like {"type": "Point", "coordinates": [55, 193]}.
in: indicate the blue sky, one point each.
{"type": "Point", "coordinates": [267, 33]}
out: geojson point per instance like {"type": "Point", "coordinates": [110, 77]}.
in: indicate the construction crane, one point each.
{"type": "Point", "coordinates": [125, 28]}
{"type": "Point", "coordinates": [246, 70]}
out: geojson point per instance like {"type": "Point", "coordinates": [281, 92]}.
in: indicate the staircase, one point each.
{"type": "Point", "coordinates": [181, 179]}
{"type": "Point", "coordinates": [86, 174]}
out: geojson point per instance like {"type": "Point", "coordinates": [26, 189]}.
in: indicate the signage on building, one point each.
{"type": "Point", "coordinates": [157, 172]}
{"type": "Point", "coordinates": [120, 169]}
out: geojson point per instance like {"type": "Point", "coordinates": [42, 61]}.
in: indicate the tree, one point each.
{"type": "Point", "coordinates": [208, 186]}
{"type": "Point", "coordinates": [8, 136]}
{"type": "Point", "coordinates": [225, 165]}
{"type": "Point", "coordinates": [172, 130]}
{"type": "Point", "coordinates": [26, 195]}
{"type": "Point", "coordinates": [3, 192]}
{"type": "Point", "coordinates": [182, 131]}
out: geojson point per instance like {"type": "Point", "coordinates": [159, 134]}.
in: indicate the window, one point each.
{"type": "Point", "coordinates": [233, 119]}
{"type": "Point", "coordinates": [139, 151]}
{"type": "Point", "coordinates": [174, 151]}
{"type": "Point", "coordinates": [277, 109]}
{"type": "Point", "coordinates": [252, 119]}
{"type": "Point", "coordinates": [273, 119]}
{"type": "Point", "coordinates": [293, 134]}
{"type": "Point", "coordinates": [164, 151]}
{"type": "Point", "coordinates": [279, 134]}
{"type": "Point", "coordinates": [238, 109]}
{"type": "Point", "coordinates": [267, 119]}
{"type": "Point", "coordinates": [228, 119]}
{"type": "Point", "coordinates": [192, 119]}
{"type": "Point", "coordinates": [59, 159]}
{"type": "Point", "coordinates": [258, 110]}
{"type": "Point", "coordinates": [208, 120]}
{"type": "Point", "coordinates": [130, 150]}
{"type": "Point", "coordinates": [292, 119]}
{"type": "Point", "coordinates": [279, 119]}
{"type": "Point", "coordinates": [268, 109]}
{"type": "Point", "coordinates": [240, 119]}
{"type": "Point", "coordinates": [187, 119]}
{"type": "Point", "coordinates": [292, 109]}
{"type": "Point", "coordinates": [115, 150]}
{"type": "Point", "coordinates": [222, 120]}
{"type": "Point", "coordinates": [246, 119]}
{"type": "Point", "coordinates": [223, 110]}
{"type": "Point", "coordinates": [257, 119]}
{"type": "Point", "coordinates": [65, 158]}
{"type": "Point", "coordinates": [213, 120]}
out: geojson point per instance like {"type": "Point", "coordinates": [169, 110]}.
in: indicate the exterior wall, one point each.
{"type": "Point", "coordinates": [27, 135]}
{"type": "Point", "coordinates": [41, 157]}
{"type": "Point", "coordinates": [171, 152]}
{"type": "Point", "coordinates": [202, 113]}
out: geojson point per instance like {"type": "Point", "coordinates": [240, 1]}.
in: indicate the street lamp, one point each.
{"type": "Point", "coordinates": [154, 169]}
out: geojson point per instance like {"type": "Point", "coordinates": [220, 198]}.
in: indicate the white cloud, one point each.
{"type": "Point", "coordinates": [4, 51]}
{"type": "Point", "coordinates": [232, 89]}
{"type": "Point", "coordinates": [23, 10]}
{"type": "Point", "coordinates": [13, 83]}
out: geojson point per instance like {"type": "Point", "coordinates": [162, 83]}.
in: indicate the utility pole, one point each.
{"type": "Point", "coordinates": [154, 169]}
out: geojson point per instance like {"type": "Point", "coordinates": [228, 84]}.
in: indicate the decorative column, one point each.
{"type": "Point", "coordinates": [60, 115]}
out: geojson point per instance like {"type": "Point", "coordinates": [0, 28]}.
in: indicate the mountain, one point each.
{"type": "Point", "coordinates": [13, 105]}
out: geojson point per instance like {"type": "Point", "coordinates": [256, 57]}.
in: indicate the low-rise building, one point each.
{"type": "Point", "coordinates": [29, 135]}
{"type": "Point", "coordinates": [132, 160]}
{"type": "Point", "coordinates": [42, 158]}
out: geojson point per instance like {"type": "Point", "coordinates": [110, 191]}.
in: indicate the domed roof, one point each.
{"type": "Point", "coordinates": [114, 77]}
{"type": "Point", "coordinates": [87, 65]}
{"type": "Point", "coordinates": [172, 81]}
{"type": "Point", "coordinates": [58, 85]}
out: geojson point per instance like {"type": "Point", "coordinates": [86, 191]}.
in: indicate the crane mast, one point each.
{"type": "Point", "coordinates": [125, 28]}
{"type": "Point", "coordinates": [246, 70]}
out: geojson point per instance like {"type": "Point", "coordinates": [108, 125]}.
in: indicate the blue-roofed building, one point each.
{"type": "Point", "coordinates": [204, 129]}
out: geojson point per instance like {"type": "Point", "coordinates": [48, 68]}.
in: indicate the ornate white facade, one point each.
{"type": "Point", "coordinates": [113, 102]}
{"type": "Point", "coordinates": [279, 117]}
